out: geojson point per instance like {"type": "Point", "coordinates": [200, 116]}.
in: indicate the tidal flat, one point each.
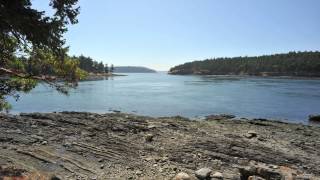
{"type": "Point", "coordinates": [80, 145]}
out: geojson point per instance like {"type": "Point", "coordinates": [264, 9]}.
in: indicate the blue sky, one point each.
{"type": "Point", "coordinates": [162, 33]}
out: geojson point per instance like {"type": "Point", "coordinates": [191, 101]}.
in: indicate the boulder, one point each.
{"type": "Point", "coordinates": [260, 170]}
{"type": "Point", "coordinates": [314, 117]}
{"type": "Point", "coordinates": [203, 173]}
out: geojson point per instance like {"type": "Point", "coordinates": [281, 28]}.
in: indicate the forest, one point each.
{"type": "Point", "coordinates": [287, 64]}
{"type": "Point", "coordinates": [89, 65]}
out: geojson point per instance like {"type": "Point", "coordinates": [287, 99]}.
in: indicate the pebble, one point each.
{"type": "Point", "coordinates": [251, 134]}
{"type": "Point", "coordinates": [182, 176]}
{"type": "Point", "coordinates": [44, 142]}
{"type": "Point", "coordinates": [255, 178]}
{"type": "Point", "coordinates": [36, 137]}
{"type": "Point", "coordinates": [94, 178]}
{"type": "Point", "coordinates": [274, 166]}
{"type": "Point", "coordinates": [149, 137]}
{"type": "Point", "coordinates": [151, 127]}
{"type": "Point", "coordinates": [138, 173]}
{"type": "Point", "coordinates": [203, 173]}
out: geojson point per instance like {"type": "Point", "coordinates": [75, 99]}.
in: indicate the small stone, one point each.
{"type": "Point", "coordinates": [149, 159]}
{"type": "Point", "coordinates": [101, 166]}
{"type": "Point", "coordinates": [164, 159]}
{"type": "Point", "coordinates": [54, 177]}
{"type": "Point", "coordinates": [138, 173]}
{"type": "Point", "coordinates": [157, 159]}
{"type": "Point", "coordinates": [161, 170]}
{"type": "Point", "coordinates": [34, 126]}
{"type": "Point", "coordinates": [100, 160]}
{"type": "Point", "coordinates": [44, 142]}
{"type": "Point", "coordinates": [203, 173]}
{"type": "Point", "coordinates": [151, 127]}
{"type": "Point", "coordinates": [255, 178]}
{"type": "Point", "coordinates": [251, 134]}
{"type": "Point", "coordinates": [217, 175]}
{"type": "Point", "coordinates": [182, 176]}
{"type": "Point", "coordinates": [274, 167]}
{"type": "Point", "coordinates": [149, 137]}
{"type": "Point", "coordinates": [67, 144]}
{"type": "Point", "coordinates": [303, 177]}
{"type": "Point", "coordinates": [36, 137]}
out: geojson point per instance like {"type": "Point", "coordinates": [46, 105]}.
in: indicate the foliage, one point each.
{"type": "Point", "coordinates": [32, 48]}
{"type": "Point", "coordinates": [290, 64]}
{"type": "Point", "coordinates": [90, 65]}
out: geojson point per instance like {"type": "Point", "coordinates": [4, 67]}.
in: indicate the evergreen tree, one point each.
{"type": "Point", "coordinates": [101, 67]}
{"type": "Point", "coordinates": [112, 68]}
{"type": "Point", "coordinates": [290, 64]}
{"type": "Point", "coordinates": [106, 68]}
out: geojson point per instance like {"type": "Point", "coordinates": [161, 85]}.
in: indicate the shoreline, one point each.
{"type": "Point", "coordinates": [251, 76]}
{"type": "Point", "coordinates": [98, 77]}
{"type": "Point", "coordinates": [69, 145]}
{"type": "Point", "coordinates": [306, 121]}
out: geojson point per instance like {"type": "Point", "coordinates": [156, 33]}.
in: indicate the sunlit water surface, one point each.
{"type": "Point", "coordinates": [191, 96]}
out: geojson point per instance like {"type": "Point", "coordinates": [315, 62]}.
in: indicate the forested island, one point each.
{"type": "Point", "coordinates": [289, 64]}
{"type": "Point", "coordinates": [133, 69]}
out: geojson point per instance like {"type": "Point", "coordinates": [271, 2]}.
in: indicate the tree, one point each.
{"type": "Point", "coordinates": [90, 65]}
{"type": "Point", "coordinates": [101, 67]}
{"type": "Point", "coordinates": [106, 68]}
{"type": "Point", "coordinates": [32, 48]}
{"type": "Point", "coordinates": [289, 64]}
{"type": "Point", "coordinates": [111, 68]}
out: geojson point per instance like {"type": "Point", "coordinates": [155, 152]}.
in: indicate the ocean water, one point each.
{"type": "Point", "coordinates": [160, 94]}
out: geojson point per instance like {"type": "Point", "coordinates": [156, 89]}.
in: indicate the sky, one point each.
{"type": "Point", "coordinates": [160, 34]}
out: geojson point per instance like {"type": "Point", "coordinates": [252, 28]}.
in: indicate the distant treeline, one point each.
{"type": "Point", "coordinates": [92, 66]}
{"type": "Point", "coordinates": [289, 64]}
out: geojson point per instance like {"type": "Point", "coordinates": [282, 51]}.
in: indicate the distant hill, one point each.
{"type": "Point", "coordinates": [289, 64]}
{"type": "Point", "coordinates": [133, 69]}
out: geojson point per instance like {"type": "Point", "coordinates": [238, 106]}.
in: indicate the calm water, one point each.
{"type": "Point", "coordinates": [166, 95]}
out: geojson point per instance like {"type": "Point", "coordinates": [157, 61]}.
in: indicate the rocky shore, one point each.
{"type": "Point", "coordinates": [74, 145]}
